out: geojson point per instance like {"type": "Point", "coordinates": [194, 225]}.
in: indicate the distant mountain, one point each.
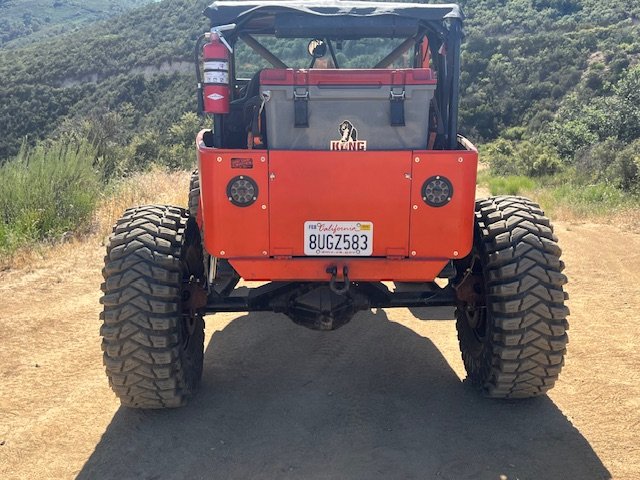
{"type": "Point", "coordinates": [138, 59]}
{"type": "Point", "coordinates": [522, 61]}
{"type": "Point", "coordinates": [20, 19]}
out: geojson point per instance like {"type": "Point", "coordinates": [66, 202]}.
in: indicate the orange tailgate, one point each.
{"type": "Point", "coordinates": [308, 186]}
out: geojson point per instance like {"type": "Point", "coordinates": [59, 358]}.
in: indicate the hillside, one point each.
{"type": "Point", "coordinates": [20, 19]}
{"type": "Point", "coordinates": [522, 57]}
{"type": "Point", "coordinates": [557, 70]}
{"type": "Point", "coordinates": [99, 69]}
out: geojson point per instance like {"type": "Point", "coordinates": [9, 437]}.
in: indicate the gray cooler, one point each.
{"type": "Point", "coordinates": [347, 109]}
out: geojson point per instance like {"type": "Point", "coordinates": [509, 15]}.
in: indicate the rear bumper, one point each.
{"type": "Point", "coordinates": [363, 270]}
{"type": "Point", "coordinates": [264, 241]}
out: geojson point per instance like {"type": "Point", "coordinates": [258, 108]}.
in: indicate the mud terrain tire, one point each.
{"type": "Point", "coordinates": [194, 194]}
{"type": "Point", "coordinates": [153, 348]}
{"type": "Point", "coordinates": [513, 338]}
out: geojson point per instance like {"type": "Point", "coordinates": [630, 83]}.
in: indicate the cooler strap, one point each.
{"type": "Point", "coordinates": [397, 108]}
{"type": "Point", "coordinates": [252, 111]}
{"type": "Point", "coordinates": [301, 107]}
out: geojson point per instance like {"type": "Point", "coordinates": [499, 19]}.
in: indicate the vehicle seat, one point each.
{"type": "Point", "coordinates": [238, 122]}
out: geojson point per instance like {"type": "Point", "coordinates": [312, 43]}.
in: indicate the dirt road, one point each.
{"type": "Point", "coordinates": [381, 398]}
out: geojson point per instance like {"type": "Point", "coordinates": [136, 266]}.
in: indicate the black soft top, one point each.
{"type": "Point", "coordinates": [291, 18]}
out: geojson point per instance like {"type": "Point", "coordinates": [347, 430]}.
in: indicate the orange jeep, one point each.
{"type": "Point", "coordinates": [330, 169]}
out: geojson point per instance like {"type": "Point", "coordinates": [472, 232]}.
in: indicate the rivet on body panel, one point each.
{"type": "Point", "coordinates": [219, 159]}
{"type": "Point", "coordinates": [414, 253]}
{"type": "Point", "coordinates": [417, 159]}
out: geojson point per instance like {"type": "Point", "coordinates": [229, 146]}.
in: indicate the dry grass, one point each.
{"type": "Point", "coordinates": [625, 218]}
{"type": "Point", "coordinates": [576, 204]}
{"type": "Point", "coordinates": [155, 186]}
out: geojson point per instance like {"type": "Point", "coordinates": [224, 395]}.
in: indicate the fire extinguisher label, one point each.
{"type": "Point", "coordinates": [216, 77]}
{"type": "Point", "coordinates": [215, 97]}
{"type": "Point", "coordinates": [216, 65]}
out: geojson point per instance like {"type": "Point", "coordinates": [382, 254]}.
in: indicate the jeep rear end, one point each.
{"type": "Point", "coordinates": [329, 181]}
{"type": "Point", "coordinates": [340, 183]}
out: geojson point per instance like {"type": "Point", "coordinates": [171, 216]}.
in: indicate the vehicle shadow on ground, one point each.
{"type": "Point", "coordinates": [434, 313]}
{"type": "Point", "coordinates": [372, 400]}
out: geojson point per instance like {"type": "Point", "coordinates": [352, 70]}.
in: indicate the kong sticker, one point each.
{"type": "Point", "coordinates": [348, 139]}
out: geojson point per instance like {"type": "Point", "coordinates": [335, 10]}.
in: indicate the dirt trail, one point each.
{"type": "Point", "coordinates": [381, 398]}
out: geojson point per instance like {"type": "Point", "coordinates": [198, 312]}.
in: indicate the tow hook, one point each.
{"type": "Point", "coordinates": [333, 271]}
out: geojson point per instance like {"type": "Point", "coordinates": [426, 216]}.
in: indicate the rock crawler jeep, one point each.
{"type": "Point", "coordinates": [335, 174]}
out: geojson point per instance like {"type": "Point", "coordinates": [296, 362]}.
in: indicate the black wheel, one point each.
{"type": "Point", "coordinates": [153, 341]}
{"type": "Point", "coordinates": [194, 194]}
{"type": "Point", "coordinates": [511, 317]}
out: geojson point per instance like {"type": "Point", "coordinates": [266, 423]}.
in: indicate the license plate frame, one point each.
{"type": "Point", "coordinates": [338, 239]}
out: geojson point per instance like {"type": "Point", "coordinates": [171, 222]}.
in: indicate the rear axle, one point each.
{"type": "Point", "coordinates": [319, 307]}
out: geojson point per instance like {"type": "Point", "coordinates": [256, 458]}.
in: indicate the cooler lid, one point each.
{"type": "Point", "coordinates": [327, 77]}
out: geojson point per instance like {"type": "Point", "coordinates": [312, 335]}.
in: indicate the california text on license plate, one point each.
{"type": "Point", "coordinates": [339, 239]}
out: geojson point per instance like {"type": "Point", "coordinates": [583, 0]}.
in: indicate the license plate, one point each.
{"type": "Point", "coordinates": [338, 239]}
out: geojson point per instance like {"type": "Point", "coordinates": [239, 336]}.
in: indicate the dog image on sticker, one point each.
{"type": "Point", "coordinates": [348, 131]}
{"type": "Point", "coordinates": [348, 138]}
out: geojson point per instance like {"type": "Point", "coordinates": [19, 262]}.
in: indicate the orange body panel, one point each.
{"type": "Point", "coordinates": [230, 231]}
{"type": "Point", "coordinates": [412, 241]}
{"type": "Point", "coordinates": [340, 186]}
{"type": "Point", "coordinates": [443, 232]}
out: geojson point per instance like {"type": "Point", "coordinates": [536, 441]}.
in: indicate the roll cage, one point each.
{"type": "Point", "coordinates": [437, 26]}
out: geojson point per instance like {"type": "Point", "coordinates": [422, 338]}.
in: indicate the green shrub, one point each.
{"type": "Point", "coordinates": [585, 122]}
{"type": "Point", "coordinates": [625, 169]}
{"type": "Point", "coordinates": [507, 157]}
{"type": "Point", "coordinates": [177, 157]}
{"type": "Point", "coordinates": [591, 163]}
{"type": "Point", "coordinates": [612, 163]}
{"type": "Point", "coordinates": [47, 191]}
{"type": "Point", "coordinates": [174, 148]}
{"type": "Point", "coordinates": [121, 153]}
{"type": "Point", "coordinates": [142, 152]}
{"type": "Point", "coordinates": [585, 200]}
{"type": "Point", "coordinates": [179, 146]}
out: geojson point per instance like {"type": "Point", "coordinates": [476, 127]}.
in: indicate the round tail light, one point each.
{"type": "Point", "coordinates": [437, 191]}
{"type": "Point", "coordinates": [242, 191]}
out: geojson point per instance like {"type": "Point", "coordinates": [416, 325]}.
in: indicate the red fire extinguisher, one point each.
{"type": "Point", "coordinates": [217, 91]}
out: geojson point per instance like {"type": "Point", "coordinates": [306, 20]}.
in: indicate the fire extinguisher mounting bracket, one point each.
{"type": "Point", "coordinates": [219, 32]}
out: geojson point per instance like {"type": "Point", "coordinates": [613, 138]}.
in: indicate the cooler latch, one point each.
{"type": "Point", "coordinates": [301, 107]}
{"type": "Point", "coordinates": [397, 107]}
